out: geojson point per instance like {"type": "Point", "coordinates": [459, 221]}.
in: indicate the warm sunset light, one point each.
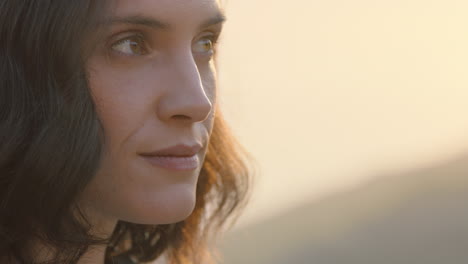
{"type": "Point", "coordinates": [329, 95]}
{"type": "Point", "coordinates": [325, 93]}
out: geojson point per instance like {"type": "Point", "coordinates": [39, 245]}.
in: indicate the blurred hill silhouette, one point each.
{"type": "Point", "coordinates": [413, 217]}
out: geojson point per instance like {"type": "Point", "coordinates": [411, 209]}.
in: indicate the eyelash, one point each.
{"type": "Point", "coordinates": [213, 38]}
{"type": "Point", "coordinates": [214, 41]}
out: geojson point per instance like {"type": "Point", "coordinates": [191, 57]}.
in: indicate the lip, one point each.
{"type": "Point", "coordinates": [179, 157]}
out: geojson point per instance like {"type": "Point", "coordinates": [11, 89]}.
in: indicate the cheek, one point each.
{"type": "Point", "coordinates": [209, 80]}
{"type": "Point", "coordinates": [123, 102]}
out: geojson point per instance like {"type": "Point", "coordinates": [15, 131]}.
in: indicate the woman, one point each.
{"type": "Point", "coordinates": [111, 150]}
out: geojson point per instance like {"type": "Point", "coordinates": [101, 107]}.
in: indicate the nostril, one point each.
{"type": "Point", "coordinates": [181, 117]}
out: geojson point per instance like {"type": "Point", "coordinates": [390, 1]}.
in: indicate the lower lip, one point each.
{"type": "Point", "coordinates": [174, 163]}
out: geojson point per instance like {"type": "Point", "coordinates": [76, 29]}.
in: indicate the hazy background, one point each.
{"type": "Point", "coordinates": [356, 113]}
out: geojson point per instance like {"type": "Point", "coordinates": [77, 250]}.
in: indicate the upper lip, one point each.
{"type": "Point", "coordinates": [180, 150]}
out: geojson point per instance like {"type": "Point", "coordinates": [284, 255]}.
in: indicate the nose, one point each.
{"type": "Point", "coordinates": [185, 97]}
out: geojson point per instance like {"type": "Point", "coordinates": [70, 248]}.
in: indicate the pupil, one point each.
{"type": "Point", "coordinates": [134, 46]}
{"type": "Point", "coordinates": [208, 45]}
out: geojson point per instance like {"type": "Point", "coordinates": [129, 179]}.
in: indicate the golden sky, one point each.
{"type": "Point", "coordinates": [327, 93]}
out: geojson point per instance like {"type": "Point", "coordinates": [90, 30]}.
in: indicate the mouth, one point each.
{"type": "Point", "coordinates": [174, 163]}
{"type": "Point", "coordinates": [178, 158]}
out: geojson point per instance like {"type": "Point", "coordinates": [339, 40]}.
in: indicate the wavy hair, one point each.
{"type": "Point", "coordinates": [51, 144]}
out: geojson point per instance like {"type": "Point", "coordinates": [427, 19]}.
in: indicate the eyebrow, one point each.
{"type": "Point", "coordinates": [158, 24]}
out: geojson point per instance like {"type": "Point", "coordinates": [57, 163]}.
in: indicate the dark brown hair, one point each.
{"type": "Point", "coordinates": [51, 140]}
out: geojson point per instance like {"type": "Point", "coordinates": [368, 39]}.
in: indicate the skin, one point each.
{"type": "Point", "coordinates": [153, 88]}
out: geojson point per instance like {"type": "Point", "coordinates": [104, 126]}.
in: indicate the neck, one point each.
{"type": "Point", "coordinates": [96, 254]}
{"type": "Point", "coordinates": [103, 228]}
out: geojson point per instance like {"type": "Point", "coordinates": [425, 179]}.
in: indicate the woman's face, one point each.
{"type": "Point", "coordinates": [153, 80]}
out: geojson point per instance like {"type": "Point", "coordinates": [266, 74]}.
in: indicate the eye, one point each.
{"type": "Point", "coordinates": [205, 45]}
{"type": "Point", "coordinates": [131, 46]}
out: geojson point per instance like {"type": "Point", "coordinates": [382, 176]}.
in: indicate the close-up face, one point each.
{"type": "Point", "coordinates": [153, 81]}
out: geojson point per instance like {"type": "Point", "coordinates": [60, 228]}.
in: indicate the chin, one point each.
{"type": "Point", "coordinates": [166, 207]}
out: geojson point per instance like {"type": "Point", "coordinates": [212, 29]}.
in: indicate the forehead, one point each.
{"type": "Point", "coordinates": [170, 11]}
